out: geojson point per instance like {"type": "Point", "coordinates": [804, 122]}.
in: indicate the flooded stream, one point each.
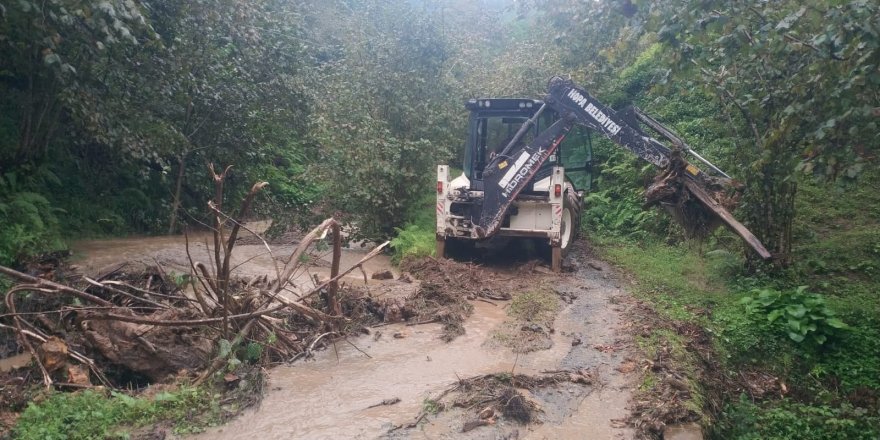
{"type": "Point", "coordinates": [248, 259]}
{"type": "Point", "coordinates": [331, 395]}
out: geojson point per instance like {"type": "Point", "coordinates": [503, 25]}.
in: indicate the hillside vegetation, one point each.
{"type": "Point", "coordinates": [111, 111]}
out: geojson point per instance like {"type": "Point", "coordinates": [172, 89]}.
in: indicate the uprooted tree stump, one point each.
{"type": "Point", "coordinates": [160, 333]}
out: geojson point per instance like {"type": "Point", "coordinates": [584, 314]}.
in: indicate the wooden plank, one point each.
{"type": "Point", "coordinates": [728, 219]}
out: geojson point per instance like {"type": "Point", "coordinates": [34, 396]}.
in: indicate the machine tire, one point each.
{"type": "Point", "coordinates": [572, 204]}
{"type": "Point", "coordinates": [456, 249]}
{"type": "Point", "coordinates": [570, 228]}
{"type": "Point", "coordinates": [440, 250]}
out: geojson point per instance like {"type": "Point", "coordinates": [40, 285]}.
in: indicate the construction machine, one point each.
{"type": "Point", "coordinates": [528, 162]}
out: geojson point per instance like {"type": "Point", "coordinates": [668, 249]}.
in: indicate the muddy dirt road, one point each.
{"type": "Point", "coordinates": [338, 394]}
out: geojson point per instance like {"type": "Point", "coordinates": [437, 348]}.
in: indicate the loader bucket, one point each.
{"type": "Point", "coordinates": [699, 203]}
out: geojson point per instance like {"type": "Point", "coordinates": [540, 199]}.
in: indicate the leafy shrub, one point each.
{"type": "Point", "coordinates": [799, 314]}
{"type": "Point", "coordinates": [413, 241]}
{"type": "Point", "coordinates": [135, 208]}
{"type": "Point", "coordinates": [744, 420]}
{"type": "Point", "coordinates": [29, 226]}
{"type": "Point", "coordinates": [89, 414]}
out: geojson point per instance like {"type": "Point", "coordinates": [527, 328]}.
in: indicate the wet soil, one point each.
{"type": "Point", "coordinates": [338, 393]}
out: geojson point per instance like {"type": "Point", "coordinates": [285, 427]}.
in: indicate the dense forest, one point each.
{"type": "Point", "coordinates": [112, 110]}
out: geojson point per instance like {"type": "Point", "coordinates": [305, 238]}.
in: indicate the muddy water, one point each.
{"type": "Point", "coordinates": [248, 259]}
{"type": "Point", "coordinates": [14, 362]}
{"type": "Point", "coordinates": [598, 322]}
{"type": "Point", "coordinates": [330, 396]}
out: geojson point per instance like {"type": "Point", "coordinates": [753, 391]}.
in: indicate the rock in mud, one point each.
{"type": "Point", "coordinates": [78, 375]}
{"type": "Point", "coordinates": [687, 431]}
{"type": "Point", "coordinates": [487, 412]}
{"type": "Point", "coordinates": [383, 275]}
{"type": "Point", "coordinates": [53, 354]}
{"type": "Point", "coordinates": [393, 311]}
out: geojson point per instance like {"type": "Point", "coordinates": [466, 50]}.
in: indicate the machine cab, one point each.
{"type": "Point", "coordinates": [493, 124]}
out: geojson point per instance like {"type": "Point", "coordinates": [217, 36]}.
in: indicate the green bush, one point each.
{"type": "Point", "coordinates": [413, 241]}
{"type": "Point", "coordinates": [745, 420]}
{"type": "Point", "coordinates": [803, 316]}
{"type": "Point", "coordinates": [29, 226]}
{"type": "Point", "coordinates": [417, 238]}
{"type": "Point", "coordinates": [92, 415]}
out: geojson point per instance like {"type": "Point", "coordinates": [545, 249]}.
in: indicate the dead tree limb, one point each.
{"type": "Point", "coordinates": [125, 294]}
{"type": "Point", "coordinates": [293, 261]}
{"type": "Point", "coordinates": [372, 254]}
{"type": "Point", "coordinates": [236, 224]}
{"type": "Point", "coordinates": [10, 304]}
{"type": "Point", "coordinates": [332, 298]}
{"type": "Point", "coordinates": [46, 284]}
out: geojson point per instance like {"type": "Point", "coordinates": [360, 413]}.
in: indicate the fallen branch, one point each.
{"type": "Point", "coordinates": [125, 294]}
{"type": "Point", "coordinates": [357, 265]}
{"type": "Point", "coordinates": [386, 402]}
{"type": "Point", "coordinates": [293, 261]}
{"type": "Point", "coordinates": [39, 283]}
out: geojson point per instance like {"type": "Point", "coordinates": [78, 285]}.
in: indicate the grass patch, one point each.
{"type": "Point", "coordinates": [674, 279]}
{"type": "Point", "coordinates": [413, 241]}
{"type": "Point", "coordinates": [91, 414]}
{"type": "Point", "coordinates": [786, 419]}
{"type": "Point", "coordinates": [417, 238]}
{"type": "Point", "coordinates": [538, 305]}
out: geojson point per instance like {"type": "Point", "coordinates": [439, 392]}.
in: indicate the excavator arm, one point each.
{"type": "Point", "coordinates": [688, 192]}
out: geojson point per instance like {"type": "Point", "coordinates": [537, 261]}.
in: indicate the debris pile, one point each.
{"type": "Point", "coordinates": [153, 325]}
{"type": "Point", "coordinates": [487, 397]}
{"type": "Point", "coordinates": [445, 288]}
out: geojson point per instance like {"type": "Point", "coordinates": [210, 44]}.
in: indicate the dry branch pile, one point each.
{"type": "Point", "coordinates": [157, 327]}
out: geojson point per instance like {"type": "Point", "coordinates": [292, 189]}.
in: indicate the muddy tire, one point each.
{"type": "Point", "coordinates": [569, 229]}
{"type": "Point", "coordinates": [440, 250]}
{"type": "Point", "coordinates": [456, 249]}
{"type": "Point", "coordinates": [571, 218]}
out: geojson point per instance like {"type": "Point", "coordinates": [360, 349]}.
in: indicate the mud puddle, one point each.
{"type": "Point", "coordinates": [15, 362]}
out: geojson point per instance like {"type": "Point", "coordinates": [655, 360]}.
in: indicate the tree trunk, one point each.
{"type": "Point", "coordinates": [175, 203]}
{"type": "Point", "coordinates": [770, 210]}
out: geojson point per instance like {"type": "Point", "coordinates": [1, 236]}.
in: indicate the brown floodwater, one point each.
{"type": "Point", "coordinates": [330, 396]}
{"type": "Point", "coordinates": [247, 259]}
{"type": "Point", "coordinates": [15, 362]}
